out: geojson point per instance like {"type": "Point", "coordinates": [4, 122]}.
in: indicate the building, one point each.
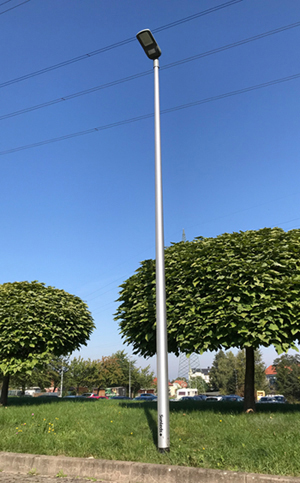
{"type": "Point", "coordinates": [204, 373]}
{"type": "Point", "coordinates": [271, 375]}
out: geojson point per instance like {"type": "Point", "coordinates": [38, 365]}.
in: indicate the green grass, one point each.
{"type": "Point", "coordinates": [208, 435]}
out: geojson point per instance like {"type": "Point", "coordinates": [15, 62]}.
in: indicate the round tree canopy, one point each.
{"type": "Point", "coordinates": [38, 321]}
{"type": "Point", "coordinates": [235, 290]}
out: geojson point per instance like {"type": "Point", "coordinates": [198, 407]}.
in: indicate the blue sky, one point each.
{"type": "Point", "coordinates": [78, 214]}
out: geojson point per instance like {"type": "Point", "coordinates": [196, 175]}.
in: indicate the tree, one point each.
{"type": "Point", "coordinates": [107, 372]}
{"type": "Point", "coordinates": [37, 322]}
{"type": "Point", "coordinates": [80, 373]}
{"type": "Point", "coordinates": [199, 383]}
{"type": "Point", "coordinates": [236, 290]}
{"type": "Point", "coordinates": [222, 372]}
{"type": "Point", "coordinates": [288, 376]}
{"type": "Point", "coordinates": [139, 377]}
{"type": "Point", "coordinates": [227, 373]}
{"type": "Point", "coordinates": [142, 378]}
{"type": "Point", "coordinates": [45, 376]}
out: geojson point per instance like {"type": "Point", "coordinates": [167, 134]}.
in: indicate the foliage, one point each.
{"type": "Point", "coordinates": [227, 373]}
{"type": "Point", "coordinates": [79, 373]}
{"type": "Point", "coordinates": [101, 373]}
{"type": "Point", "coordinates": [37, 322]}
{"type": "Point", "coordinates": [199, 383]}
{"type": "Point", "coordinates": [106, 373]}
{"type": "Point", "coordinates": [288, 376]}
{"type": "Point", "coordinates": [55, 368]}
{"type": "Point", "coordinates": [139, 378]}
{"type": "Point", "coordinates": [222, 372]}
{"type": "Point", "coordinates": [236, 290]}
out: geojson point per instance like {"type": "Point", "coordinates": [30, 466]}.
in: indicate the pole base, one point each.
{"type": "Point", "coordinates": [164, 450]}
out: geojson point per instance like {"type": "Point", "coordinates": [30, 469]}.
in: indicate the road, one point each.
{"type": "Point", "coordinates": [18, 478]}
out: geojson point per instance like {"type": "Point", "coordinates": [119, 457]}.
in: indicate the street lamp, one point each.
{"type": "Point", "coordinates": [153, 52]}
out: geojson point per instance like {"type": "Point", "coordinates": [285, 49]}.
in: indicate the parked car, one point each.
{"type": "Point", "coordinates": [266, 400]}
{"type": "Point", "coordinates": [120, 397]}
{"type": "Point", "coordinates": [14, 392]}
{"type": "Point", "coordinates": [91, 395]}
{"type": "Point", "coordinates": [213, 398]}
{"type": "Point", "coordinates": [280, 399]}
{"type": "Point", "coordinates": [146, 397]}
{"type": "Point", "coordinates": [72, 397]}
{"type": "Point", "coordinates": [187, 398]}
{"type": "Point", "coordinates": [232, 398]}
{"type": "Point", "coordinates": [32, 391]}
{"type": "Point", "coordinates": [200, 397]}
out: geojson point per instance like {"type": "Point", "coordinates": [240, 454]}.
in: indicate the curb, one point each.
{"type": "Point", "coordinates": [127, 471]}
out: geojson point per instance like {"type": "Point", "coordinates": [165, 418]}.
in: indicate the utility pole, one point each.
{"type": "Point", "coordinates": [61, 379]}
{"type": "Point", "coordinates": [129, 389]}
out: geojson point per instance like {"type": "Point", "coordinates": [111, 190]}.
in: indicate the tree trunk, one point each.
{"type": "Point", "coordinates": [249, 399]}
{"type": "Point", "coordinates": [4, 391]}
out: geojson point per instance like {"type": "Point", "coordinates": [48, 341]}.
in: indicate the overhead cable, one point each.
{"type": "Point", "coordinates": [12, 8]}
{"type": "Point", "coordinates": [147, 116]}
{"type": "Point", "coordinates": [3, 3]}
{"type": "Point", "coordinates": [147, 72]}
{"type": "Point", "coordinates": [116, 44]}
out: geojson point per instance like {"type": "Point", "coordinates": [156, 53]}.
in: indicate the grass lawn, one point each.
{"type": "Point", "coordinates": [207, 435]}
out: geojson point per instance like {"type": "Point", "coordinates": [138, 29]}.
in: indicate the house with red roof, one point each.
{"type": "Point", "coordinates": [271, 375]}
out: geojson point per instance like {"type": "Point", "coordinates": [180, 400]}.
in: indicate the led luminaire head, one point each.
{"type": "Point", "coordinates": [149, 44]}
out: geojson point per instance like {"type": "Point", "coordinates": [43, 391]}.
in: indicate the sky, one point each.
{"type": "Point", "coordinates": [78, 213]}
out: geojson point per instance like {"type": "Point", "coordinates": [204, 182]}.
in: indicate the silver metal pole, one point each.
{"type": "Point", "coordinates": [61, 380]}
{"type": "Point", "coordinates": [129, 389]}
{"type": "Point", "coordinates": [161, 318]}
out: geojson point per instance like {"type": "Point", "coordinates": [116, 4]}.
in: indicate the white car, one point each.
{"type": "Point", "coordinates": [213, 398]}
{"type": "Point", "coordinates": [32, 391]}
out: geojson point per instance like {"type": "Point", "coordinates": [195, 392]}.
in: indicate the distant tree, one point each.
{"type": "Point", "coordinates": [80, 373]}
{"type": "Point", "coordinates": [37, 322]}
{"type": "Point", "coordinates": [44, 376]}
{"type": "Point", "coordinates": [222, 372]}
{"type": "Point", "coordinates": [54, 370]}
{"type": "Point", "coordinates": [143, 378]}
{"type": "Point", "coordinates": [140, 378]}
{"type": "Point", "coordinates": [106, 373]}
{"type": "Point", "coordinates": [236, 290]}
{"type": "Point", "coordinates": [288, 376]}
{"type": "Point", "coordinates": [199, 383]}
{"type": "Point", "coordinates": [125, 363]}
{"type": "Point", "coordinates": [38, 378]}
{"type": "Point", "coordinates": [227, 374]}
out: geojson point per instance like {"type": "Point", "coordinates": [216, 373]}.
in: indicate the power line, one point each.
{"type": "Point", "coordinates": [12, 8]}
{"type": "Point", "coordinates": [3, 3]}
{"type": "Point", "coordinates": [147, 72]}
{"type": "Point", "coordinates": [196, 15]}
{"type": "Point", "coordinates": [147, 116]}
{"type": "Point", "coordinates": [77, 134]}
{"type": "Point", "coordinates": [234, 44]}
{"type": "Point", "coordinates": [76, 94]}
{"type": "Point", "coordinates": [115, 45]}
{"type": "Point", "coordinates": [232, 93]}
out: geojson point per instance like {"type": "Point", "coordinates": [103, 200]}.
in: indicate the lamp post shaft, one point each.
{"type": "Point", "coordinates": [61, 380]}
{"type": "Point", "coordinates": [129, 388]}
{"type": "Point", "coordinates": [161, 318]}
